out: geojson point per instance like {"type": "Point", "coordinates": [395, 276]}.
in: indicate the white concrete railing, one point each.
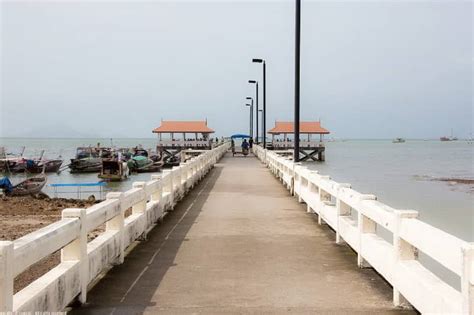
{"type": "Point", "coordinates": [303, 144]}
{"type": "Point", "coordinates": [184, 143]}
{"type": "Point", "coordinates": [355, 218]}
{"type": "Point", "coordinates": [82, 261]}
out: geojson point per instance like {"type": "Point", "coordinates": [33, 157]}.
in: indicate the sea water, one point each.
{"type": "Point", "coordinates": [406, 176]}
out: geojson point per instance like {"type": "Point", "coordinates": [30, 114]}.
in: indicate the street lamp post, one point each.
{"type": "Point", "coordinates": [262, 112]}
{"type": "Point", "coordinates": [251, 115]}
{"type": "Point", "coordinates": [250, 118]}
{"type": "Point", "coordinates": [296, 153]}
{"type": "Point", "coordinates": [264, 116]}
{"type": "Point", "coordinates": [256, 110]}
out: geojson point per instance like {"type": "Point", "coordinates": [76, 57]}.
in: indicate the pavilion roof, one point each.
{"type": "Point", "coordinates": [306, 127]}
{"type": "Point", "coordinates": [198, 126]}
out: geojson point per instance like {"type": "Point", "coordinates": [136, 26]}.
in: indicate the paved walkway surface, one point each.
{"type": "Point", "coordinates": [239, 243]}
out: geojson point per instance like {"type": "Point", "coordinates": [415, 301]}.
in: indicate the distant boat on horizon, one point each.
{"type": "Point", "coordinates": [450, 138]}
{"type": "Point", "coordinates": [398, 140]}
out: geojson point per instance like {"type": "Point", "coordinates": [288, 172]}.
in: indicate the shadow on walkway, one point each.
{"type": "Point", "coordinates": [128, 288]}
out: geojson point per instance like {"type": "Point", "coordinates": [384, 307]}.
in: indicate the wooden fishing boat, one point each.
{"type": "Point", "coordinates": [16, 166]}
{"type": "Point", "coordinates": [114, 170]}
{"type": "Point", "coordinates": [29, 186]}
{"type": "Point", "coordinates": [155, 167]}
{"type": "Point", "coordinates": [143, 164]}
{"type": "Point", "coordinates": [9, 162]}
{"type": "Point", "coordinates": [89, 159]}
{"type": "Point", "coordinates": [86, 165]}
{"type": "Point", "coordinates": [50, 166]}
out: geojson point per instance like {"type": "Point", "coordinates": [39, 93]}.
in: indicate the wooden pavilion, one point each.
{"type": "Point", "coordinates": [309, 147]}
{"type": "Point", "coordinates": [175, 136]}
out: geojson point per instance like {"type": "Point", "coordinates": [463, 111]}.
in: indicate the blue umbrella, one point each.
{"type": "Point", "coordinates": [240, 136]}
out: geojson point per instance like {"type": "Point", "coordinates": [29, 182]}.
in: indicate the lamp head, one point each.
{"type": "Point", "coordinates": [248, 98]}
{"type": "Point", "coordinates": [252, 81]}
{"type": "Point", "coordinates": [257, 60]}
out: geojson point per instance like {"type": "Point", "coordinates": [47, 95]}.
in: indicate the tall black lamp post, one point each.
{"type": "Point", "coordinates": [264, 118]}
{"type": "Point", "coordinates": [251, 115]}
{"type": "Point", "coordinates": [296, 153]}
{"type": "Point", "coordinates": [250, 118]}
{"type": "Point", "coordinates": [256, 110]}
{"type": "Point", "coordinates": [261, 111]}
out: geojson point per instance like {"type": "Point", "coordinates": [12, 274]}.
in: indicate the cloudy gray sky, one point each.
{"type": "Point", "coordinates": [370, 69]}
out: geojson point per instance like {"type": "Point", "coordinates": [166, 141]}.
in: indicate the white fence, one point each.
{"type": "Point", "coordinates": [82, 261]}
{"type": "Point", "coordinates": [303, 144]}
{"type": "Point", "coordinates": [184, 143]}
{"type": "Point", "coordinates": [355, 218]}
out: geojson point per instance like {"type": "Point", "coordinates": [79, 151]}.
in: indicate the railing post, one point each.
{"type": "Point", "coordinates": [168, 186]}
{"type": "Point", "coordinates": [6, 276]}
{"type": "Point", "coordinates": [117, 223]}
{"type": "Point", "coordinates": [176, 170]}
{"type": "Point", "coordinates": [323, 196]}
{"type": "Point", "coordinates": [140, 207]}
{"type": "Point", "coordinates": [402, 250]}
{"type": "Point", "coordinates": [467, 279]}
{"type": "Point", "coordinates": [365, 226]}
{"type": "Point", "coordinates": [189, 171]}
{"type": "Point", "coordinates": [294, 182]}
{"type": "Point", "coordinates": [156, 195]}
{"type": "Point", "coordinates": [77, 250]}
{"type": "Point", "coordinates": [192, 164]}
{"type": "Point", "coordinates": [342, 209]}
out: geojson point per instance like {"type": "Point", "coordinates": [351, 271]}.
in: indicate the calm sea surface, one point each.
{"type": "Point", "coordinates": [404, 176]}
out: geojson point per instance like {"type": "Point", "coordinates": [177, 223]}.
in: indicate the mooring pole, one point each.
{"type": "Point", "coordinates": [296, 153]}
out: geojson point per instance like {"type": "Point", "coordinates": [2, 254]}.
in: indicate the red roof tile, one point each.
{"type": "Point", "coordinates": [313, 127]}
{"type": "Point", "coordinates": [183, 126]}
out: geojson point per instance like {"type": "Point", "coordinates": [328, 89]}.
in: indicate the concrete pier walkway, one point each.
{"type": "Point", "coordinates": [239, 243]}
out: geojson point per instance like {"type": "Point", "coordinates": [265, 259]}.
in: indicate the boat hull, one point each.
{"type": "Point", "coordinates": [87, 165]}
{"type": "Point", "coordinates": [30, 186]}
{"type": "Point", "coordinates": [52, 166]}
{"type": "Point", "coordinates": [114, 171]}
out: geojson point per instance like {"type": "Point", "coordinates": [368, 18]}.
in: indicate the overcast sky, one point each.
{"type": "Point", "coordinates": [370, 69]}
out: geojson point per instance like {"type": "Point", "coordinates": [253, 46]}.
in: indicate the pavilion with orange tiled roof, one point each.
{"type": "Point", "coordinates": [182, 135]}
{"type": "Point", "coordinates": [308, 128]}
{"type": "Point", "coordinates": [197, 126]}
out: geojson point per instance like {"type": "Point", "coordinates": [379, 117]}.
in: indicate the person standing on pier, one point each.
{"type": "Point", "coordinates": [251, 142]}
{"type": "Point", "coordinates": [245, 147]}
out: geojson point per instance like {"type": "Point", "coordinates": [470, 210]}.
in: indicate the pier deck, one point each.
{"type": "Point", "coordinates": [239, 243]}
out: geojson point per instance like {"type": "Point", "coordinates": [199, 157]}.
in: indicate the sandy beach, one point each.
{"type": "Point", "coordinates": [22, 215]}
